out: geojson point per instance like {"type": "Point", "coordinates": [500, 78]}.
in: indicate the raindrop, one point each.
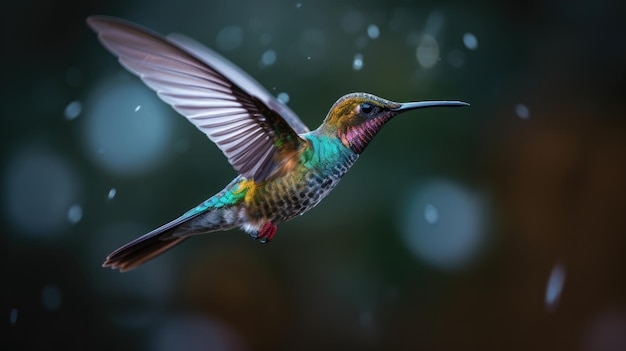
{"type": "Point", "coordinates": [427, 51]}
{"type": "Point", "coordinates": [283, 97]}
{"type": "Point", "coordinates": [51, 297]}
{"type": "Point", "coordinates": [137, 108]}
{"type": "Point", "coordinates": [555, 286]}
{"type": "Point", "coordinates": [75, 214]}
{"type": "Point", "coordinates": [372, 31]}
{"type": "Point", "coordinates": [73, 109]}
{"type": "Point", "coordinates": [13, 316]}
{"type": "Point", "coordinates": [111, 194]}
{"type": "Point", "coordinates": [308, 57]}
{"type": "Point", "coordinates": [298, 5]}
{"type": "Point", "coordinates": [229, 38]}
{"type": "Point", "coordinates": [357, 62]}
{"type": "Point", "coordinates": [470, 41]}
{"type": "Point", "coordinates": [430, 214]}
{"type": "Point", "coordinates": [268, 58]}
{"type": "Point", "coordinates": [522, 111]}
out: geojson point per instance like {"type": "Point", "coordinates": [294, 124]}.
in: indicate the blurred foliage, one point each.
{"type": "Point", "coordinates": [341, 277]}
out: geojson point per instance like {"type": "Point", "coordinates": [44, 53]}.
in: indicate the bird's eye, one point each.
{"type": "Point", "coordinates": [366, 108]}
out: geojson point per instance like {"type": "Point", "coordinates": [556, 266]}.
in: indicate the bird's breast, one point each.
{"type": "Point", "coordinates": [295, 193]}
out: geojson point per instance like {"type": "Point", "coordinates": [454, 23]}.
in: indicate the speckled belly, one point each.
{"type": "Point", "coordinates": [287, 197]}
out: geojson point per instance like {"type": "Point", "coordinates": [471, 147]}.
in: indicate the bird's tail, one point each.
{"type": "Point", "coordinates": [147, 246]}
{"type": "Point", "coordinates": [220, 212]}
{"type": "Point", "coordinates": [156, 242]}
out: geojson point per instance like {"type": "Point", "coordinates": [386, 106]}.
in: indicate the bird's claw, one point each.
{"type": "Point", "coordinates": [266, 234]}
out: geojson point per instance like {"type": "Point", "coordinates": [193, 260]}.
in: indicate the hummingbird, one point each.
{"type": "Point", "coordinates": [284, 169]}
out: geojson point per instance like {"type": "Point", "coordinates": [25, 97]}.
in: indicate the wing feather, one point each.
{"type": "Point", "coordinates": [251, 127]}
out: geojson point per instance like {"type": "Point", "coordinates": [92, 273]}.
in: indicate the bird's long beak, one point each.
{"type": "Point", "coordinates": [423, 104]}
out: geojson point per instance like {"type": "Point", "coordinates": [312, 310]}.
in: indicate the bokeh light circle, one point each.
{"type": "Point", "coordinates": [121, 138]}
{"type": "Point", "coordinates": [443, 224]}
{"type": "Point", "coordinates": [39, 188]}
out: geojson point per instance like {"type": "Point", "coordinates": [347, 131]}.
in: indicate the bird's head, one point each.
{"type": "Point", "coordinates": [357, 117]}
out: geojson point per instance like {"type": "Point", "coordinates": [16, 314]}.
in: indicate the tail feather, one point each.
{"type": "Point", "coordinates": [220, 212]}
{"type": "Point", "coordinates": [147, 246]}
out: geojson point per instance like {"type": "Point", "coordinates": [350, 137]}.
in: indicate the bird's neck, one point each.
{"type": "Point", "coordinates": [354, 136]}
{"type": "Point", "coordinates": [326, 152]}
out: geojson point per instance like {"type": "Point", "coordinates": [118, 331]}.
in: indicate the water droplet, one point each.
{"type": "Point", "coordinates": [522, 111]}
{"type": "Point", "coordinates": [13, 316]}
{"type": "Point", "coordinates": [308, 57]}
{"type": "Point", "coordinates": [229, 38]}
{"type": "Point", "coordinates": [555, 286]}
{"type": "Point", "coordinates": [430, 214]}
{"type": "Point", "coordinates": [298, 5]}
{"type": "Point", "coordinates": [283, 97]}
{"type": "Point", "coordinates": [268, 58]}
{"type": "Point", "coordinates": [51, 297]}
{"type": "Point", "coordinates": [137, 108]}
{"type": "Point", "coordinates": [427, 51]}
{"type": "Point", "coordinates": [73, 109]}
{"type": "Point", "coordinates": [75, 213]}
{"type": "Point", "coordinates": [357, 62]}
{"type": "Point", "coordinates": [372, 31]}
{"type": "Point", "coordinates": [111, 194]}
{"type": "Point", "coordinates": [470, 41]}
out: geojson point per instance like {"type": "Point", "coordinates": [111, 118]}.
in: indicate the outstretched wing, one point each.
{"type": "Point", "coordinates": [246, 122]}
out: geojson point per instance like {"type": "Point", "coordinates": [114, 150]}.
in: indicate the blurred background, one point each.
{"type": "Point", "coordinates": [494, 227]}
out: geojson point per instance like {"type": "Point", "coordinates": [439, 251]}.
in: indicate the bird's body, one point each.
{"type": "Point", "coordinates": [284, 169]}
{"type": "Point", "coordinates": [250, 205]}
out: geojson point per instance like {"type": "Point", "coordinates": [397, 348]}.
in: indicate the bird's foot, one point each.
{"type": "Point", "coordinates": [266, 233]}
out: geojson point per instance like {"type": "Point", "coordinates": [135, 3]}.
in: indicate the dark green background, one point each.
{"type": "Point", "coordinates": [341, 277]}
